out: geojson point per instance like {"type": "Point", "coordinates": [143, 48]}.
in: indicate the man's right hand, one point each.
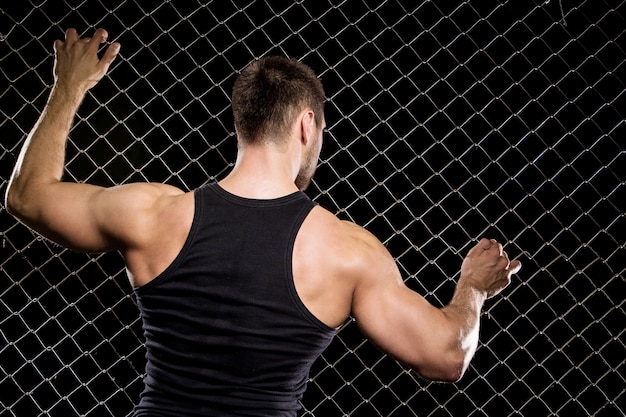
{"type": "Point", "coordinates": [487, 267]}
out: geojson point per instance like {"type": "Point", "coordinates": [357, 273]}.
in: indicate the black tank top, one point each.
{"type": "Point", "coordinates": [226, 333]}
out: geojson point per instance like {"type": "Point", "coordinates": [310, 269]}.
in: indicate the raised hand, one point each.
{"type": "Point", "coordinates": [77, 65]}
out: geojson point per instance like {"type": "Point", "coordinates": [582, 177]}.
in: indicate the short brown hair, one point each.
{"type": "Point", "coordinates": [269, 93]}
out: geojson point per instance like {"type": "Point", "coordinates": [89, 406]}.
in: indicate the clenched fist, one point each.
{"type": "Point", "coordinates": [487, 267]}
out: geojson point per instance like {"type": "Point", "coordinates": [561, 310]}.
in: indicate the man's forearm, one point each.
{"type": "Point", "coordinates": [464, 309]}
{"type": "Point", "coordinates": [42, 158]}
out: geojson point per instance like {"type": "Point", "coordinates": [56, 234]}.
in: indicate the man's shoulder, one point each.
{"type": "Point", "coordinates": [328, 225]}
{"type": "Point", "coordinates": [343, 240]}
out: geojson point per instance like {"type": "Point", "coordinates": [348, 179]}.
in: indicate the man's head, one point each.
{"type": "Point", "coordinates": [268, 96]}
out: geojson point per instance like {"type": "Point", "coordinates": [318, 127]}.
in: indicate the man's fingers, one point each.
{"type": "Point", "coordinates": [514, 267]}
{"type": "Point", "coordinates": [110, 54]}
{"type": "Point", "coordinates": [58, 44]}
{"type": "Point", "coordinates": [100, 36]}
{"type": "Point", "coordinates": [94, 42]}
{"type": "Point", "coordinates": [482, 245]}
{"type": "Point", "coordinates": [71, 36]}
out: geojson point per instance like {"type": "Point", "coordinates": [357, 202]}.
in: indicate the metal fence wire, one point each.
{"type": "Point", "coordinates": [447, 121]}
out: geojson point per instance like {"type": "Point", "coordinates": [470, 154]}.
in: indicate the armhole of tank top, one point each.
{"type": "Point", "coordinates": [299, 304]}
{"type": "Point", "coordinates": [197, 215]}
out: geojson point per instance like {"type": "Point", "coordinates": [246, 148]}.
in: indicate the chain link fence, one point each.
{"type": "Point", "coordinates": [447, 121]}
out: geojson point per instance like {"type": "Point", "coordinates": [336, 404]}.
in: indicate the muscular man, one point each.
{"type": "Point", "coordinates": [241, 283]}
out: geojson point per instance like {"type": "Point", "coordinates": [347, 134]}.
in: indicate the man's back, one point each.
{"type": "Point", "coordinates": [226, 333]}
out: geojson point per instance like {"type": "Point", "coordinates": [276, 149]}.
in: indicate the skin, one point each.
{"type": "Point", "coordinates": [340, 269]}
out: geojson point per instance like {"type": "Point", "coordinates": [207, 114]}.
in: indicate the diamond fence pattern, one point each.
{"type": "Point", "coordinates": [447, 121]}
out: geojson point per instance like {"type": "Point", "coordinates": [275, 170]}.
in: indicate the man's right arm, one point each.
{"type": "Point", "coordinates": [438, 343]}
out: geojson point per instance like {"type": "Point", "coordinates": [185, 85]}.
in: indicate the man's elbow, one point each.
{"type": "Point", "coordinates": [454, 370]}
{"type": "Point", "coordinates": [17, 202]}
{"type": "Point", "coordinates": [447, 367]}
{"type": "Point", "coordinates": [11, 200]}
{"type": "Point", "coordinates": [448, 372]}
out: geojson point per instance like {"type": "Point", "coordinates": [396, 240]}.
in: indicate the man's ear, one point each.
{"type": "Point", "coordinates": [307, 126]}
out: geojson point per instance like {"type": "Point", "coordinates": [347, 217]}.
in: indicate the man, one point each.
{"type": "Point", "coordinates": [241, 283]}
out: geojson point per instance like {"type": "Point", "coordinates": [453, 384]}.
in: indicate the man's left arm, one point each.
{"type": "Point", "coordinates": [81, 216]}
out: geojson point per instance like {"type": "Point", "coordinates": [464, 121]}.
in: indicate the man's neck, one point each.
{"type": "Point", "coordinates": [261, 172]}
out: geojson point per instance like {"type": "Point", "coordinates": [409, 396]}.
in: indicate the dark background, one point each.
{"type": "Point", "coordinates": [447, 122]}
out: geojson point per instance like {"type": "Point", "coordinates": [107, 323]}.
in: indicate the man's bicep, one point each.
{"type": "Point", "coordinates": [402, 322]}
